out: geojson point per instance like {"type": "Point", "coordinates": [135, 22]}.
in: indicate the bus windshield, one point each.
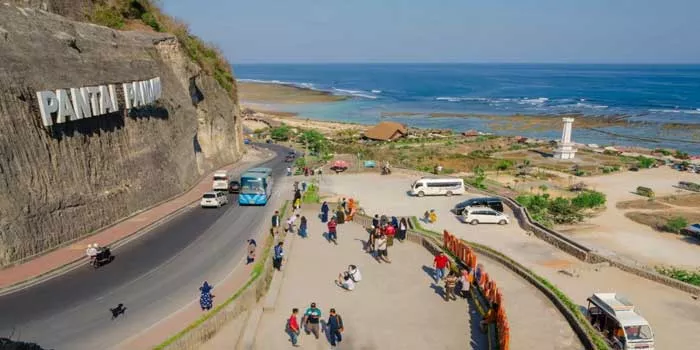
{"type": "Point", "coordinates": [252, 185]}
{"type": "Point", "coordinates": [638, 333]}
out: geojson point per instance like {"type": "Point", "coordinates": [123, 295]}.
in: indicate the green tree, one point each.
{"type": "Point", "coordinates": [314, 140]}
{"type": "Point", "coordinates": [645, 162]}
{"type": "Point", "coordinates": [281, 133]}
{"type": "Point", "coordinates": [589, 200]}
{"type": "Point", "coordinates": [676, 224]}
{"type": "Point", "coordinates": [479, 178]}
{"type": "Point", "coordinates": [503, 165]}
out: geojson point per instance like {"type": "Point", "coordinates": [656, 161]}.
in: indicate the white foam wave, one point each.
{"type": "Point", "coordinates": [354, 93]}
{"type": "Point", "coordinates": [376, 91]}
{"type": "Point", "coordinates": [534, 101]}
{"type": "Point", "coordinates": [280, 82]}
{"type": "Point", "coordinates": [684, 111]}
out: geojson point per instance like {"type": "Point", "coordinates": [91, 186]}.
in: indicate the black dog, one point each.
{"type": "Point", "coordinates": [119, 310]}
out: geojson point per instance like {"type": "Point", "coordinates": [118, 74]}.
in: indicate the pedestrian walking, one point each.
{"type": "Point", "coordinates": [381, 249]}
{"type": "Point", "coordinates": [390, 231]}
{"type": "Point", "coordinates": [332, 231]}
{"type": "Point", "coordinates": [395, 222]}
{"type": "Point", "coordinates": [251, 251]}
{"type": "Point", "coordinates": [403, 227]}
{"type": "Point", "coordinates": [383, 220]}
{"type": "Point", "coordinates": [302, 227]}
{"type": "Point", "coordinates": [312, 318]}
{"type": "Point", "coordinates": [375, 221]}
{"type": "Point", "coordinates": [293, 327]}
{"type": "Point", "coordinates": [206, 299]}
{"type": "Point", "coordinates": [344, 205]}
{"type": "Point", "coordinates": [303, 186]}
{"type": "Point", "coordinates": [463, 284]}
{"type": "Point", "coordinates": [289, 171]}
{"type": "Point", "coordinates": [279, 255]}
{"type": "Point", "coordinates": [324, 212]}
{"type": "Point", "coordinates": [297, 204]}
{"type": "Point", "coordinates": [440, 264]}
{"type": "Point", "coordinates": [450, 284]}
{"type": "Point", "coordinates": [335, 327]}
{"type": "Point", "coordinates": [290, 223]}
{"type": "Point", "coordinates": [276, 222]}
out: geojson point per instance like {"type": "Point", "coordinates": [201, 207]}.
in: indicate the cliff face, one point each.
{"type": "Point", "coordinates": [62, 182]}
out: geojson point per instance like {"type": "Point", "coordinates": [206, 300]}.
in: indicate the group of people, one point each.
{"type": "Point", "coordinates": [430, 216]}
{"type": "Point", "coordinates": [457, 281]}
{"type": "Point", "coordinates": [311, 321]}
{"type": "Point", "coordinates": [382, 235]}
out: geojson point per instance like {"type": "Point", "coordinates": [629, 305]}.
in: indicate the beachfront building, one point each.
{"type": "Point", "coordinates": [386, 131]}
{"type": "Point", "coordinates": [566, 149]}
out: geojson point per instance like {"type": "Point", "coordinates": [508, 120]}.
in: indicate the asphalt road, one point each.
{"type": "Point", "coordinates": [154, 275]}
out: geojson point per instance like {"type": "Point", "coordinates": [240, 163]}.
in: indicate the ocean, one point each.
{"type": "Point", "coordinates": [661, 101]}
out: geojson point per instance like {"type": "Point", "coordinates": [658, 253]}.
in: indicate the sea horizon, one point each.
{"type": "Point", "coordinates": [661, 101]}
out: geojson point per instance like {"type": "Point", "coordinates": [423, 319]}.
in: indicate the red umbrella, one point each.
{"type": "Point", "coordinates": [340, 164]}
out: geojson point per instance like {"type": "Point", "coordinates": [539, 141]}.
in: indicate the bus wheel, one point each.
{"type": "Point", "coordinates": [449, 193]}
{"type": "Point", "coordinates": [421, 194]}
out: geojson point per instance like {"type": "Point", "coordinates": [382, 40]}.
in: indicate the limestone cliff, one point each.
{"type": "Point", "coordinates": [62, 182]}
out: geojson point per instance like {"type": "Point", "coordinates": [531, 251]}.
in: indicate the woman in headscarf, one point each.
{"type": "Point", "coordinates": [324, 212]}
{"type": "Point", "coordinates": [403, 226]}
{"type": "Point", "coordinates": [302, 227]}
{"type": "Point", "coordinates": [206, 300]}
{"type": "Point", "coordinates": [395, 222]}
{"type": "Point", "coordinates": [351, 209]}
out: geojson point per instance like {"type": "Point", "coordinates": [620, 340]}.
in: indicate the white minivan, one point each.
{"type": "Point", "coordinates": [442, 186]}
{"type": "Point", "coordinates": [483, 215]}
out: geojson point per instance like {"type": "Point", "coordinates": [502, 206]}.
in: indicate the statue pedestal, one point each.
{"type": "Point", "coordinates": [565, 151]}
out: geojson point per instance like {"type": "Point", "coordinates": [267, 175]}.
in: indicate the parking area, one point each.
{"type": "Point", "coordinates": [674, 315]}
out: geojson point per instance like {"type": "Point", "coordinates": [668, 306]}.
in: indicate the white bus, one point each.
{"type": "Point", "coordinates": [221, 179]}
{"type": "Point", "coordinates": [443, 186]}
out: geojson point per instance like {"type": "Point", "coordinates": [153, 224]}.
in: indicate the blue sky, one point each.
{"type": "Point", "coordinates": [591, 31]}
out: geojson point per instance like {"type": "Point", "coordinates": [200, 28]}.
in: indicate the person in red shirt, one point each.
{"type": "Point", "coordinates": [440, 264]}
{"type": "Point", "coordinates": [293, 327]}
{"type": "Point", "coordinates": [332, 233]}
{"type": "Point", "coordinates": [390, 231]}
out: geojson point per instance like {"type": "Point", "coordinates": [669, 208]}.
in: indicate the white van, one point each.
{"type": "Point", "coordinates": [621, 325]}
{"type": "Point", "coordinates": [482, 215]}
{"type": "Point", "coordinates": [443, 186]}
{"type": "Point", "coordinates": [221, 179]}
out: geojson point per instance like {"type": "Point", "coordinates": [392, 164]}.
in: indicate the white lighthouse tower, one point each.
{"type": "Point", "coordinates": [566, 149]}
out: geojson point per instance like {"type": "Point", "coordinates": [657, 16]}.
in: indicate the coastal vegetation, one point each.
{"type": "Point", "coordinates": [548, 210]}
{"type": "Point", "coordinates": [692, 277]}
{"type": "Point", "coordinates": [145, 15]}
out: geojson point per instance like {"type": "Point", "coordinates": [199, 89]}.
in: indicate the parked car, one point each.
{"type": "Point", "coordinates": [234, 187]}
{"type": "Point", "coordinates": [214, 199]}
{"type": "Point", "coordinates": [482, 215]}
{"type": "Point", "coordinates": [494, 203]}
{"type": "Point", "coordinates": [692, 230]}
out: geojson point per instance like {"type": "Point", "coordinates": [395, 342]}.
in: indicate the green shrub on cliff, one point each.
{"type": "Point", "coordinates": [118, 14]}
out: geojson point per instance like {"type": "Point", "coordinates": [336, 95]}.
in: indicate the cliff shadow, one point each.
{"type": "Point", "coordinates": [149, 112]}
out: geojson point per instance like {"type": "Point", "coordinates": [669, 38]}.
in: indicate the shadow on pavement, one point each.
{"type": "Point", "coordinates": [479, 340]}
{"type": "Point", "coordinates": [429, 271]}
{"type": "Point", "coordinates": [438, 290]}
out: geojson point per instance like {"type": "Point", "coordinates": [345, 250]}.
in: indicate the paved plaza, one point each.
{"type": "Point", "coordinates": [395, 306]}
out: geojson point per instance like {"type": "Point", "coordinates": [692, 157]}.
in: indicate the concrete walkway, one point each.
{"type": "Point", "coordinates": [673, 315]}
{"type": "Point", "coordinates": [51, 263]}
{"type": "Point", "coordinates": [395, 306]}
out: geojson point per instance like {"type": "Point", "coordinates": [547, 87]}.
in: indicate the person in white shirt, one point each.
{"type": "Point", "coordinates": [345, 281]}
{"type": "Point", "coordinates": [354, 273]}
{"type": "Point", "coordinates": [290, 222]}
{"type": "Point", "coordinates": [91, 250]}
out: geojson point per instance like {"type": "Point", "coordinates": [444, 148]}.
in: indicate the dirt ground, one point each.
{"type": "Point", "coordinates": [589, 162]}
{"type": "Point", "coordinates": [612, 232]}
{"type": "Point", "coordinates": [274, 93]}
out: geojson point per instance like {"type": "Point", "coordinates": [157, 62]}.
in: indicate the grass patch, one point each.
{"type": "Point", "coordinates": [311, 194]}
{"type": "Point", "coordinates": [597, 338]}
{"type": "Point", "coordinates": [256, 272]}
{"type": "Point", "coordinates": [691, 277]}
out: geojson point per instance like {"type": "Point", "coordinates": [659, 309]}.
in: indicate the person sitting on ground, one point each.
{"type": "Point", "coordinates": [345, 281]}
{"type": "Point", "coordinates": [290, 223]}
{"type": "Point", "coordinates": [354, 273]}
{"type": "Point", "coordinates": [433, 216]}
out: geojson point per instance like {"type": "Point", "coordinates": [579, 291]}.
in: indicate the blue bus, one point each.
{"type": "Point", "coordinates": [256, 187]}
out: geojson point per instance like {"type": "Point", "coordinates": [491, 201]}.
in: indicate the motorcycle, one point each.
{"type": "Point", "coordinates": [103, 257]}
{"type": "Point", "coordinates": [386, 171]}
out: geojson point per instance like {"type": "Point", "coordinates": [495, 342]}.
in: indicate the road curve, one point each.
{"type": "Point", "coordinates": [154, 275]}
